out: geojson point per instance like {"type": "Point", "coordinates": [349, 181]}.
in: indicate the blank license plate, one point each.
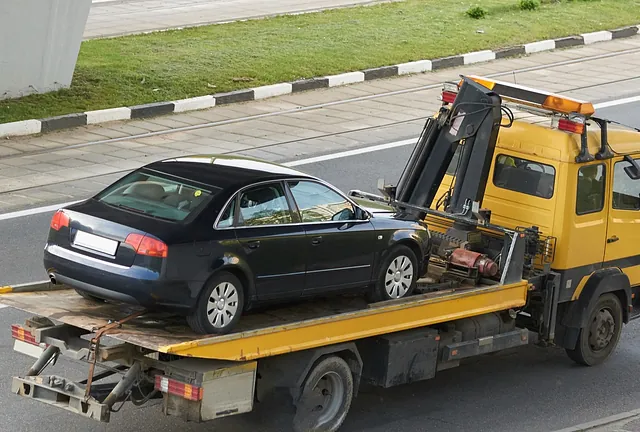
{"type": "Point", "coordinates": [94, 242]}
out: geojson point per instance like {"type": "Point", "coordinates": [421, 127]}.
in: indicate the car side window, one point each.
{"type": "Point", "coordinates": [626, 191]}
{"type": "Point", "coordinates": [590, 190]}
{"type": "Point", "coordinates": [264, 205]}
{"type": "Point", "coordinates": [226, 220]}
{"type": "Point", "coordinates": [318, 203]}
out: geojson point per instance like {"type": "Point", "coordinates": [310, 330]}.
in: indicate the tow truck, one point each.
{"type": "Point", "coordinates": [521, 253]}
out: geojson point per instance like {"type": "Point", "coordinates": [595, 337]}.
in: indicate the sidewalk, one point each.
{"type": "Point", "coordinates": [73, 164]}
{"type": "Point", "coordinates": [119, 17]}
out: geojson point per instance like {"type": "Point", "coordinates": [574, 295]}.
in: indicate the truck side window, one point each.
{"type": "Point", "coordinates": [524, 176]}
{"type": "Point", "coordinates": [590, 191]}
{"type": "Point", "coordinates": [626, 191]}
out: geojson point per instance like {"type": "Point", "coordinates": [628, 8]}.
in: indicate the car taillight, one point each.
{"type": "Point", "coordinates": [171, 386]}
{"type": "Point", "coordinates": [60, 219]}
{"type": "Point", "coordinates": [145, 245]}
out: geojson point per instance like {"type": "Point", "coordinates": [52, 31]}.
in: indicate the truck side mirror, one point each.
{"type": "Point", "coordinates": [632, 171]}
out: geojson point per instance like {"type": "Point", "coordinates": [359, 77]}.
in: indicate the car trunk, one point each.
{"type": "Point", "coordinates": [100, 231]}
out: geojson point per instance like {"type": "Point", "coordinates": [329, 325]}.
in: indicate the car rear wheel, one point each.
{"type": "Point", "coordinates": [219, 307]}
{"type": "Point", "coordinates": [397, 276]}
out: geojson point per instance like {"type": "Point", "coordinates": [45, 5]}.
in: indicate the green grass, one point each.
{"type": "Point", "coordinates": [179, 64]}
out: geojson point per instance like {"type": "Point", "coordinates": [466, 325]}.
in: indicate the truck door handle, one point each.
{"type": "Point", "coordinates": [316, 240]}
{"type": "Point", "coordinates": [612, 239]}
{"type": "Point", "coordinates": [253, 244]}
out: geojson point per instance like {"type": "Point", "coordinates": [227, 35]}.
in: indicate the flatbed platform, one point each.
{"type": "Point", "coordinates": [273, 331]}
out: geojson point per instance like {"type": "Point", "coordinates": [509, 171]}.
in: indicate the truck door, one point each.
{"type": "Point", "coordinates": [623, 230]}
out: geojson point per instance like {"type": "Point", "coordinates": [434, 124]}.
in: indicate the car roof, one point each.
{"type": "Point", "coordinates": [224, 171]}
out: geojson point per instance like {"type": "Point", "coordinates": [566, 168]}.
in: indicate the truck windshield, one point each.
{"type": "Point", "coordinates": [156, 195]}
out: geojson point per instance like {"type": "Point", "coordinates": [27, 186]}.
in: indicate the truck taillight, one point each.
{"type": "Point", "coordinates": [571, 126]}
{"type": "Point", "coordinates": [145, 245]}
{"type": "Point", "coordinates": [19, 333]}
{"type": "Point", "coordinates": [171, 386]}
{"type": "Point", "coordinates": [60, 219]}
{"type": "Point", "coordinates": [449, 92]}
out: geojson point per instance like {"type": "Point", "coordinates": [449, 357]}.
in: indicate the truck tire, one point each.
{"type": "Point", "coordinates": [397, 275]}
{"type": "Point", "coordinates": [326, 397]}
{"type": "Point", "coordinates": [599, 338]}
{"type": "Point", "coordinates": [219, 306]}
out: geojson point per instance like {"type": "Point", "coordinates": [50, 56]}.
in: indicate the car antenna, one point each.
{"type": "Point", "coordinates": [514, 78]}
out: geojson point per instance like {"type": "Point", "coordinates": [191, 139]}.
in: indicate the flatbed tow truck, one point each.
{"type": "Point", "coordinates": [489, 287]}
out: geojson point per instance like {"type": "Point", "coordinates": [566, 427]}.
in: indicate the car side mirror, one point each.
{"type": "Point", "coordinates": [632, 171]}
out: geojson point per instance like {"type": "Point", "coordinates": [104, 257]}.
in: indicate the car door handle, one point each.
{"type": "Point", "coordinates": [253, 244]}
{"type": "Point", "coordinates": [612, 239]}
{"type": "Point", "coordinates": [316, 240]}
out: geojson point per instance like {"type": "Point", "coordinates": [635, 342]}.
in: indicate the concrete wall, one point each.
{"type": "Point", "coordinates": [39, 44]}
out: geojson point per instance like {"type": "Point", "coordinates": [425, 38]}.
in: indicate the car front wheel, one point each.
{"type": "Point", "coordinates": [219, 307]}
{"type": "Point", "coordinates": [397, 276]}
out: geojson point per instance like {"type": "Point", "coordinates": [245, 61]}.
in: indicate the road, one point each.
{"type": "Point", "coordinates": [531, 389]}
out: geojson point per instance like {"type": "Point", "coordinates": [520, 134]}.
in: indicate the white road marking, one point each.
{"type": "Point", "coordinates": [32, 211]}
{"type": "Point", "coordinates": [348, 153]}
{"type": "Point", "coordinates": [617, 102]}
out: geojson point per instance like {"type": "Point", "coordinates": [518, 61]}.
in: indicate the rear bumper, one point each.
{"type": "Point", "coordinates": [131, 285]}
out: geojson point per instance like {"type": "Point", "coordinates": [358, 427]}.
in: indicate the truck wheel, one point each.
{"type": "Point", "coordinates": [397, 276]}
{"type": "Point", "coordinates": [599, 338]}
{"type": "Point", "coordinates": [219, 306]}
{"type": "Point", "coordinates": [326, 397]}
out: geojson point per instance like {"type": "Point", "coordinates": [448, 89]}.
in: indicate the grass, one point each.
{"type": "Point", "coordinates": [186, 63]}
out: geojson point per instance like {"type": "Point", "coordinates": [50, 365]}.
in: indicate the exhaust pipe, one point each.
{"type": "Point", "coordinates": [52, 277]}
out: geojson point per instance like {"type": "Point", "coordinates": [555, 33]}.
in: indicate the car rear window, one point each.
{"type": "Point", "coordinates": [157, 195]}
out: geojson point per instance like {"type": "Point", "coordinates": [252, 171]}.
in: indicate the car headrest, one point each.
{"type": "Point", "coordinates": [152, 191]}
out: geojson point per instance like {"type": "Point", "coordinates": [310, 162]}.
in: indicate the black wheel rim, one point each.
{"type": "Point", "coordinates": [602, 330]}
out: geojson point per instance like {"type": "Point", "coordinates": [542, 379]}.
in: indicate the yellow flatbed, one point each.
{"type": "Point", "coordinates": [276, 331]}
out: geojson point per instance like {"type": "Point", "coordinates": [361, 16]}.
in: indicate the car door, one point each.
{"type": "Point", "coordinates": [339, 248]}
{"type": "Point", "coordinates": [623, 228]}
{"type": "Point", "coordinates": [272, 243]}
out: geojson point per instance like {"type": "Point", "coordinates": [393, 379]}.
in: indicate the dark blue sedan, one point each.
{"type": "Point", "coordinates": [209, 237]}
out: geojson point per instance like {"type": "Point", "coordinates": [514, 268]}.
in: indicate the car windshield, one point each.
{"type": "Point", "coordinates": [157, 195]}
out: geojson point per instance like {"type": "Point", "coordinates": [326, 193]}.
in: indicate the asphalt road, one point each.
{"type": "Point", "coordinates": [531, 389]}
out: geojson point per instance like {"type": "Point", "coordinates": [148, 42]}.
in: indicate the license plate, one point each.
{"type": "Point", "coordinates": [96, 243]}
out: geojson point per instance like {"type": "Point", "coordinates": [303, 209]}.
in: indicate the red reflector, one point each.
{"type": "Point", "coordinates": [448, 97]}
{"type": "Point", "coordinates": [17, 332]}
{"type": "Point", "coordinates": [569, 126]}
{"type": "Point", "coordinates": [186, 391]}
{"type": "Point", "coordinates": [60, 219]}
{"type": "Point", "coordinates": [144, 245]}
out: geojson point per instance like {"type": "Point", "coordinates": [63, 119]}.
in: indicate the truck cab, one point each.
{"type": "Point", "coordinates": [575, 181]}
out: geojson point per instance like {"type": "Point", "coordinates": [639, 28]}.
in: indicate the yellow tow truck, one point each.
{"type": "Point", "coordinates": [531, 201]}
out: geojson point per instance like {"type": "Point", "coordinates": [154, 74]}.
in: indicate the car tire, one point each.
{"type": "Point", "coordinates": [219, 306]}
{"type": "Point", "coordinates": [397, 275]}
{"type": "Point", "coordinates": [603, 328]}
{"type": "Point", "coordinates": [89, 297]}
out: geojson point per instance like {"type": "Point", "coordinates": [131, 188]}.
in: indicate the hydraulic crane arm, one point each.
{"type": "Point", "coordinates": [472, 121]}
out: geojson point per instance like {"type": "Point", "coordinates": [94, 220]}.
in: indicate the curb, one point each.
{"type": "Point", "coordinates": [37, 126]}
{"type": "Point", "coordinates": [591, 426]}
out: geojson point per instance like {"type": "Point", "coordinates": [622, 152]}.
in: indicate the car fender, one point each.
{"type": "Point", "coordinates": [235, 265]}
{"type": "Point", "coordinates": [417, 240]}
